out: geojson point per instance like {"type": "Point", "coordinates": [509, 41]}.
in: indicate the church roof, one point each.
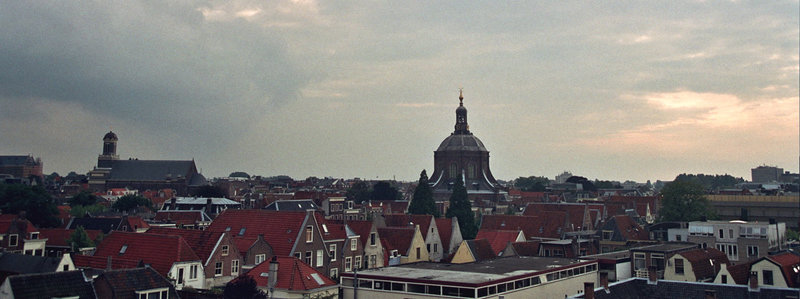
{"type": "Point", "coordinates": [152, 170]}
{"type": "Point", "coordinates": [462, 142]}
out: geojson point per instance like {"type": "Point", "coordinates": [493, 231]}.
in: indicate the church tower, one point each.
{"type": "Point", "coordinates": [109, 150]}
{"type": "Point", "coordinates": [463, 154]}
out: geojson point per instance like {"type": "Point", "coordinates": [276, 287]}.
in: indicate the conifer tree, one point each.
{"type": "Point", "coordinates": [423, 203]}
{"type": "Point", "coordinates": [79, 239]}
{"type": "Point", "coordinates": [461, 207]}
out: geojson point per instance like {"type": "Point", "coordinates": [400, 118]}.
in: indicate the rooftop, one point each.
{"type": "Point", "coordinates": [667, 247]}
{"type": "Point", "coordinates": [471, 273]}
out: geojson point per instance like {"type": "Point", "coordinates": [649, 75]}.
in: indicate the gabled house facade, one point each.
{"type": "Point", "coordinates": [371, 242]}
{"type": "Point", "coordinates": [700, 265]}
{"type": "Point", "coordinates": [778, 270]}
{"type": "Point", "coordinates": [170, 256]}
{"type": "Point", "coordinates": [403, 245]}
{"type": "Point", "coordinates": [222, 260]}
{"type": "Point", "coordinates": [19, 235]}
{"type": "Point", "coordinates": [288, 277]}
{"type": "Point", "coordinates": [428, 228]}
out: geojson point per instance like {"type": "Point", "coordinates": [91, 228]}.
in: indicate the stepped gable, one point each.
{"type": "Point", "coordinates": [158, 251]}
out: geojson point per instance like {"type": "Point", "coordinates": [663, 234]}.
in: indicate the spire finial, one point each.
{"type": "Point", "coordinates": [461, 96]}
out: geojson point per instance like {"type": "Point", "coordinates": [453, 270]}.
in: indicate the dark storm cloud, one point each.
{"type": "Point", "coordinates": [151, 62]}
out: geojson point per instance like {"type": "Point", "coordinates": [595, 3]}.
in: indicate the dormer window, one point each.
{"type": "Point", "coordinates": [34, 235]}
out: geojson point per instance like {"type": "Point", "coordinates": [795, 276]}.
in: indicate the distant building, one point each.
{"type": "Point", "coordinates": [21, 166]}
{"type": "Point", "coordinates": [562, 178]}
{"type": "Point", "coordinates": [741, 241]}
{"type": "Point", "coordinates": [463, 155]}
{"type": "Point", "coordinates": [111, 172]}
{"type": "Point", "coordinates": [766, 174]}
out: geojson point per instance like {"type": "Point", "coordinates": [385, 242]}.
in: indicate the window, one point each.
{"type": "Point", "coordinates": [218, 269]}
{"type": "Point", "coordinates": [334, 272]}
{"type": "Point", "coordinates": [721, 233]}
{"type": "Point", "coordinates": [730, 233]}
{"type": "Point", "coordinates": [308, 258]}
{"type": "Point", "coordinates": [319, 257]}
{"type": "Point", "coordinates": [678, 238]}
{"type": "Point", "coordinates": [66, 268]}
{"type": "Point", "coordinates": [638, 261]}
{"type": "Point", "coordinates": [679, 266]}
{"type": "Point", "coordinates": [607, 234]}
{"type": "Point", "coordinates": [162, 293]}
{"type": "Point", "coordinates": [348, 264]}
{"type": "Point", "coordinates": [297, 255]}
{"type": "Point", "coordinates": [657, 260]}
{"type": "Point", "coordinates": [372, 238]}
{"type": "Point", "coordinates": [309, 234]}
{"type": "Point", "coordinates": [767, 277]}
{"type": "Point", "coordinates": [724, 278]}
{"type": "Point", "coordinates": [357, 262]}
{"type": "Point", "coordinates": [224, 250]}
{"type": "Point", "coordinates": [373, 260]}
{"type": "Point", "coordinates": [428, 246]}
{"type": "Point", "coordinates": [418, 253]}
{"type": "Point", "coordinates": [180, 275]}
{"type": "Point", "coordinates": [34, 236]}
{"type": "Point", "coordinates": [752, 250]}
{"type": "Point", "coordinates": [260, 258]}
{"type": "Point", "coordinates": [353, 244]}
{"type": "Point", "coordinates": [235, 267]}
{"type": "Point", "coordinates": [332, 252]}
{"type": "Point", "coordinates": [193, 272]}
{"type": "Point", "coordinates": [453, 171]}
{"type": "Point", "coordinates": [435, 247]}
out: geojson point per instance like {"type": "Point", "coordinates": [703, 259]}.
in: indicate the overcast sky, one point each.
{"type": "Point", "coordinates": [610, 90]}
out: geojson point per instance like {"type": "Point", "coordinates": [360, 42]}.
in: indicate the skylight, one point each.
{"type": "Point", "coordinates": [123, 249]}
{"type": "Point", "coordinates": [241, 231]}
{"type": "Point", "coordinates": [325, 228]}
{"type": "Point", "coordinates": [317, 278]}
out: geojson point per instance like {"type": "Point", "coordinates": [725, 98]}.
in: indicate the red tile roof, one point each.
{"type": "Point", "coordinates": [137, 222]}
{"type": "Point", "coordinates": [180, 217]}
{"type": "Point", "coordinates": [575, 212]}
{"type": "Point", "coordinates": [498, 239]}
{"type": "Point", "coordinates": [280, 228]}
{"type": "Point", "coordinates": [335, 230]}
{"type": "Point", "coordinates": [629, 229]}
{"type": "Point", "coordinates": [445, 226]}
{"type": "Point", "coordinates": [481, 249]}
{"type": "Point", "coordinates": [406, 220]}
{"type": "Point", "coordinates": [160, 251]}
{"type": "Point", "coordinates": [740, 272]}
{"type": "Point", "coordinates": [99, 262]}
{"type": "Point", "coordinates": [59, 236]}
{"type": "Point", "coordinates": [201, 241]}
{"type": "Point", "coordinates": [788, 262]}
{"type": "Point", "coordinates": [5, 225]}
{"type": "Point", "coordinates": [361, 227]}
{"type": "Point", "coordinates": [397, 238]}
{"type": "Point", "coordinates": [529, 248]}
{"type": "Point", "coordinates": [549, 225]}
{"type": "Point", "coordinates": [293, 275]}
{"type": "Point", "coordinates": [705, 262]}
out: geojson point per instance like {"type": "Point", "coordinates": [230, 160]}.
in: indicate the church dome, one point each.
{"type": "Point", "coordinates": [110, 135]}
{"type": "Point", "coordinates": [462, 142]}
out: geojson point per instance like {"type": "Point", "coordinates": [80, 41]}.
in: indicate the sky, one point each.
{"type": "Point", "coordinates": [610, 90]}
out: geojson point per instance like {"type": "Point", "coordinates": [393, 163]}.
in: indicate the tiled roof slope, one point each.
{"type": "Point", "coordinates": [705, 262]}
{"type": "Point", "coordinates": [182, 217]}
{"type": "Point", "coordinates": [397, 238]}
{"type": "Point", "coordinates": [124, 283]}
{"type": "Point", "coordinates": [406, 220]}
{"type": "Point", "coordinates": [445, 227]}
{"type": "Point", "coordinates": [481, 249]}
{"type": "Point", "coordinates": [362, 228]}
{"type": "Point", "coordinates": [158, 251]}
{"type": "Point", "coordinates": [335, 230]}
{"type": "Point", "coordinates": [51, 285]}
{"type": "Point", "coordinates": [280, 229]}
{"type": "Point", "coordinates": [549, 225]}
{"type": "Point", "coordinates": [788, 262]}
{"type": "Point", "coordinates": [498, 239]}
{"type": "Point", "coordinates": [15, 263]}
{"type": "Point", "coordinates": [99, 262]}
{"type": "Point", "coordinates": [740, 272]}
{"type": "Point", "coordinates": [59, 236]}
{"type": "Point", "coordinates": [529, 248]}
{"type": "Point", "coordinates": [201, 241]}
{"type": "Point", "coordinates": [293, 274]}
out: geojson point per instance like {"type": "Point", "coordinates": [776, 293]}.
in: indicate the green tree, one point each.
{"type": "Point", "coordinates": [80, 211]}
{"type": "Point", "coordinates": [532, 183]}
{"type": "Point", "coordinates": [586, 183]}
{"type": "Point", "coordinates": [423, 203]}
{"type": "Point", "coordinates": [684, 201]}
{"type": "Point", "coordinates": [359, 192]}
{"type": "Point", "coordinates": [39, 207]}
{"type": "Point", "coordinates": [461, 207]}
{"type": "Point", "coordinates": [130, 202]}
{"type": "Point", "coordinates": [83, 198]}
{"type": "Point", "coordinates": [79, 239]}
{"type": "Point", "coordinates": [243, 286]}
{"type": "Point", "coordinates": [239, 174]}
{"type": "Point", "coordinates": [384, 191]}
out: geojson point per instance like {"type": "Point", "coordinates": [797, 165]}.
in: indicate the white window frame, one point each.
{"type": "Point", "coordinates": [218, 269]}
{"type": "Point", "coordinates": [309, 234]}
{"type": "Point", "coordinates": [348, 264]}
{"type": "Point", "coordinates": [225, 250]}
{"type": "Point", "coordinates": [357, 262]}
{"type": "Point", "coordinates": [193, 272]}
{"type": "Point", "coordinates": [235, 267]}
{"type": "Point", "coordinates": [353, 244]}
{"type": "Point", "coordinates": [332, 252]}
{"type": "Point", "coordinates": [15, 239]}
{"type": "Point", "coordinates": [163, 293]}
{"type": "Point", "coordinates": [260, 258]}
{"type": "Point", "coordinates": [320, 258]}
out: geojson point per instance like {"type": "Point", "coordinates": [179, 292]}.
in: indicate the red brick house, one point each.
{"type": "Point", "coordinates": [288, 233]}
{"type": "Point", "coordinates": [19, 235]}
{"type": "Point", "coordinates": [288, 277]}
{"type": "Point", "coordinates": [221, 257]}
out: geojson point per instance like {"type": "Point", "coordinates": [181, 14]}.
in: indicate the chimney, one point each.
{"type": "Point", "coordinates": [604, 280]}
{"type": "Point", "coordinates": [208, 206]}
{"type": "Point", "coordinates": [711, 294]}
{"type": "Point", "coordinates": [588, 290]}
{"type": "Point", "coordinates": [273, 273]}
{"type": "Point", "coordinates": [108, 263]}
{"type": "Point", "coordinates": [753, 281]}
{"type": "Point", "coordinates": [173, 203]}
{"type": "Point", "coordinates": [652, 275]}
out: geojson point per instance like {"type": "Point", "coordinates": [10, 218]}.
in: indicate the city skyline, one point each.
{"type": "Point", "coordinates": [613, 91]}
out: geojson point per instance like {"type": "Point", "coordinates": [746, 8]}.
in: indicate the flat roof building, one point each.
{"type": "Point", "coordinates": [511, 277]}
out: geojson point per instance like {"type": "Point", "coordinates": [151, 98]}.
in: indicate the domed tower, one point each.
{"type": "Point", "coordinates": [463, 154]}
{"type": "Point", "coordinates": [109, 150]}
